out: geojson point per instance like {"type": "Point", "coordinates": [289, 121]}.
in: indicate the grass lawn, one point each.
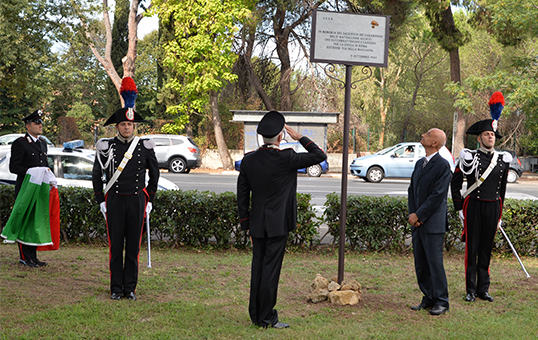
{"type": "Point", "coordinates": [199, 294]}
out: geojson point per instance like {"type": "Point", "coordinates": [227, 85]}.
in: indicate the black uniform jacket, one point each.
{"type": "Point", "coordinates": [133, 178]}
{"type": "Point", "coordinates": [427, 194]}
{"type": "Point", "coordinates": [493, 188]}
{"type": "Point", "coordinates": [271, 176]}
{"type": "Point", "coordinates": [25, 154]}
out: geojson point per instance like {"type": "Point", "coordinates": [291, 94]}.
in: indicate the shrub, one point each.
{"type": "Point", "coordinates": [190, 218]}
{"type": "Point", "coordinates": [373, 223]}
{"type": "Point", "coordinates": [208, 219]}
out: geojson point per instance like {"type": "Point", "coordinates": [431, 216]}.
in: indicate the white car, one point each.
{"type": "Point", "coordinates": [176, 153]}
{"type": "Point", "coordinates": [7, 140]}
{"type": "Point", "coordinates": [72, 167]}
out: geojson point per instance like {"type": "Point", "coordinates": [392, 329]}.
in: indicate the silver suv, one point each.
{"type": "Point", "coordinates": [177, 153]}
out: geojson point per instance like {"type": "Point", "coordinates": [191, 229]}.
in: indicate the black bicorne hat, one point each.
{"type": "Point", "coordinates": [122, 115]}
{"type": "Point", "coordinates": [271, 124]}
{"type": "Point", "coordinates": [484, 125]}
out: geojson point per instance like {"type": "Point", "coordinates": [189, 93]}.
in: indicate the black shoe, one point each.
{"type": "Point", "coordinates": [486, 296]}
{"type": "Point", "coordinates": [28, 263]}
{"type": "Point", "coordinates": [130, 296]}
{"type": "Point", "coordinates": [40, 263]}
{"type": "Point", "coordinates": [280, 325]}
{"type": "Point", "coordinates": [470, 297]}
{"type": "Point", "coordinates": [438, 310]}
{"type": "Point", "coordinates": [421, 306]}
{"type": "Point", "coordinates": [115, 296]}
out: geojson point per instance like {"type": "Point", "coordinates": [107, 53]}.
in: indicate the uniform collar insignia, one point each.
{"type": "Point", "coordinates": [123, 140]}
{"type": "Point", "coordinates": [273, 146]}
{"type": "Point", "coordinates": [486, 151]}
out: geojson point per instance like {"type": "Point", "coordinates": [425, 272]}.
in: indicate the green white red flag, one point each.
{"type": "Point", "coordinates": [35, 218]}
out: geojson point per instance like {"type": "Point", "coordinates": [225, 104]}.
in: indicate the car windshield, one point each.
{"type": "Point", "coordinates": [4, 140]}
{"type": "Point", "coordinates": [9, 139]}
{"type": "Point", "coordinates": [387, 150]}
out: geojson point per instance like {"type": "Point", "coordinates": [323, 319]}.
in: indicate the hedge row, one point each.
{"type": "Point", "coordinates": [380, 224]}
{"type": "Point", "coordinates": [196, 218]}
{"type": "Point", "coordinates": [178, 217]}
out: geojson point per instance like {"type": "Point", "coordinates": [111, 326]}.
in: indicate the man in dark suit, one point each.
{"type": "Point", "coordinates": [28, 152]}
{"type": "Point", "coordinates": [427, 201]}
{"type": "Point", "coordinates": [270, 175]}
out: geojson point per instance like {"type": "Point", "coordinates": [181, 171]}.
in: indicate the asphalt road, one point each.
{"type": "Point", "coordinates": [525, 188]}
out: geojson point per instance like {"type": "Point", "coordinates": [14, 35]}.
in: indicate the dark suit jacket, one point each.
{"type": "Point", "coordinates": [427, 194]}
{"type": "Point", "coordinates": [25, 154]}
{"type": "Point", "coordinates": [271, 176]}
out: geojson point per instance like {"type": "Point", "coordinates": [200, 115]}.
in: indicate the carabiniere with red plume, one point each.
{"type": "Point", "coordinates": [480, 205]}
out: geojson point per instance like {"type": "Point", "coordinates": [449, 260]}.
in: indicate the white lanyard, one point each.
{"type": "Point", "coordinates": [485, 175]}
{"type": "Point", "coordinates": [126, 157]}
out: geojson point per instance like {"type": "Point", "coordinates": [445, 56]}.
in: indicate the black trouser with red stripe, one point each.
{"type": "Point", "coordinates": [27, 252]}
{"type": "Point", "coordinates": [125, 218]}
{"type": "Point", "coordinates": [481, 220]}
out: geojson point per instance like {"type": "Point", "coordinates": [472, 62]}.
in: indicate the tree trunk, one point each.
{"type": "Point", "coordinates": [282, 40]}
{"type": "Point", "coordinates": [455, 76]}
{"type": "Point", "coordinates": [129, 60]}
{"type": "Point", "coordinates": [383, 109]}
{"type": "Point", "coordinates": [253, 77]}
{"type": "Point", "coordinates": [219, 136]}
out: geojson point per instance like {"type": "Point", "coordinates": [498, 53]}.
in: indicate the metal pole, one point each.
{"type": "Point", "coordinates": [513, 250]}
{"type": "Point", "coordinates": [149, 240]}
{"type": "Point", "coordinates": [343, 196]}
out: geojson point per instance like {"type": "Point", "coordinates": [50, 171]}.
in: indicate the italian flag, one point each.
{"type": "Point", "coordinates": [35, 219]}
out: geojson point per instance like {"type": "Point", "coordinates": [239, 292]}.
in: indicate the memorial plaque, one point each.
{"type": "Point", "coordinates": [349, 38]}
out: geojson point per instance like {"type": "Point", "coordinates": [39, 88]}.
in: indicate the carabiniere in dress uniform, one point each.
{"type": "Point", "coordinates": [480, 206]}
{"type": "Point", "coordinates": [120, 167]}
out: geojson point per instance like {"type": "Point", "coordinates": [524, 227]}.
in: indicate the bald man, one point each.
{"type": "Point", "coordinates": [427, 202]}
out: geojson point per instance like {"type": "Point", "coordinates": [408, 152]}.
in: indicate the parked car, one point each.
{"type": "Point", "coordinates": [176, 153]}
{"type": "Point", "coordinates": [7, 140]}
{"type": "Point", "coordinates": [395, 161]}
{"type": "Point", "coordinates": [313, 171]}
{"type": "Point", "coordinates": [72, 167]}
{"type": "Point", "coordinates": [516, 170]}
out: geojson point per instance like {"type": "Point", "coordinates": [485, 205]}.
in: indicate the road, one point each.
{"type": "Point", "coordinates": [320, 187]}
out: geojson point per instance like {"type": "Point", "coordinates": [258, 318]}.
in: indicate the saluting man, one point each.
{"type": "Point", "coordinates": [120, 168]}
{"type": "Point", "coordinates": [28, 152]}
{"type": "Point", "coordinates": [267, 205]}
{"type": "Point", "coordinates": [480, 206]}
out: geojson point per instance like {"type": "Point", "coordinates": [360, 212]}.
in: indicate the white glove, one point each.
{"type": "Point", "coordinates": [149, 207]}
{"type": "Point", "coordinates": [461, 215]}
{"type": "Point", "coordinates": [102, 206]}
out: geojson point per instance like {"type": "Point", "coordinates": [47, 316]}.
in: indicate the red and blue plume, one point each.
{"type": "Point", "coordinates": [128, 91]}
{"type": "Point", "coordinates": [496, 105]}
